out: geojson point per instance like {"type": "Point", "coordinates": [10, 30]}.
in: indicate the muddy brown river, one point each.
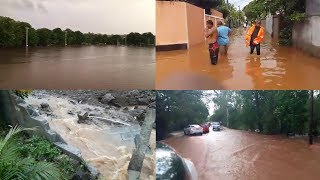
{"type": "Point", "coordinates": [86, 67]}
{"type": "Point", "coordinates": [276, 68]}
{"type": "Point", "coordinates": [234, 154]}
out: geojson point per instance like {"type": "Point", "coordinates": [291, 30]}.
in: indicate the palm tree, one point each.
{"type": "Point", "coordinates": [12, 166]}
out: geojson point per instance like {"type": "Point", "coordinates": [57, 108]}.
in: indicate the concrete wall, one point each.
{"type": "Point", "coordinates": [306, 34]}
{"type": "Point", "coordinates": [171, 23]}
{"type": "Point", "coordinates": [195, 21]}
{"type": "Point", "coordinates": [269, 24]}
{"type": "Point", "coordinates": [180, 24]}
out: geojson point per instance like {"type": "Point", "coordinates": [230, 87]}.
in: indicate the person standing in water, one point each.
{"type": "Point", "coordinates": [254, 37]}
{"type": "Point", "coordinates": [211, 34]}
{"type": "Point", "coordinates": [224, 33]}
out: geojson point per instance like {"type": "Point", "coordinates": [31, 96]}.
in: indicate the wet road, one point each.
{"type": "Point", "coordinates": [276, 68]}
{"type": "Point", "coordinates": [233, 154]}
{"type": "Point", "coordinates": [87, 67]}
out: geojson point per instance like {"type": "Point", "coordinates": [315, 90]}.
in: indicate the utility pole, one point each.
{"type": "Point", "coordinates": [65, 37]}
{"type": "Point", "coordinates": [311, 123]}
{"type": "Point", "coordinates": [27, 36]}
{"type": "Point", "coordinates": [239, 16]}
{"type": "Point", "coordinates": [228, 7]}
{"type": "Point", "coordinates": [227, 117]}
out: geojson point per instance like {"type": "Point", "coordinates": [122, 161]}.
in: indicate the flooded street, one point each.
{"type": "Point", "coordinates": [234, 154]}
{"type": "Point", "coordinates": [276, 68]}
{"type": "Point", "coordinates": [86, 67]}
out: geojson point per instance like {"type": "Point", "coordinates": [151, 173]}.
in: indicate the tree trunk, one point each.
{"type": "Point", "coordinates": [311, 123]}
{"type": "Point", "coordinates": [142, 146]}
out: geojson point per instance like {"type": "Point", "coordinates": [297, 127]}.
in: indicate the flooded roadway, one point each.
{"type": "Point", "coordinates": [276, 68]}
{"type": "Point", "coordinates": [233, 154]}
{"type": "Point", "coordinates": [86, 67]}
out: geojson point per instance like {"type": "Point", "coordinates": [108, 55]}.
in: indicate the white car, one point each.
{"type": "Point", "coordinates": [216, 126]}
{"type": "Point", "coordinates": [193, 129]}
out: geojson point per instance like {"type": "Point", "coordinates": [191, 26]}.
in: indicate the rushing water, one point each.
{"type": "Point", "coordinates": [85, 67]}
{"type": "Point", "coordinates": [276, 68]}
{"type": "Point", "coordinates": [233, 154]}
{"type": "Point", "coordinates": [107, 147]}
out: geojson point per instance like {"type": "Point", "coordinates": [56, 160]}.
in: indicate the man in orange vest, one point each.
{"type": "Point", "coordinates": [254, 37]}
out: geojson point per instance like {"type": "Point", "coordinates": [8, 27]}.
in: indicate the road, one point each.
{"type": "Point", "coordinates": [234, 154]}
{"type": "Point", "coordinates": [83, 67]}
{"type": "Point", "coordinates": [276, 68]}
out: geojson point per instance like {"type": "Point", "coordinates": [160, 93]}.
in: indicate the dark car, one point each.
{"type": "Point", "coordinates": [171, 166]}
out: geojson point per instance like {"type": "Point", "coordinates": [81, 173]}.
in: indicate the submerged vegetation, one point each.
{"type": "Point", "coordinates": [13, 34]}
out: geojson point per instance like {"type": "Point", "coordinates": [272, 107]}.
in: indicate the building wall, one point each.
{"type": "Point", "coordinates": [171, 23]}
{"type": "Point", "coordinates": [195, 21]}
{"type": "Point", "coordinates": [305, 34]}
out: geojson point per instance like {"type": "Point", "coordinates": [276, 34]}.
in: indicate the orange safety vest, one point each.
{"type": "Point", "coordinates": [259, 37]}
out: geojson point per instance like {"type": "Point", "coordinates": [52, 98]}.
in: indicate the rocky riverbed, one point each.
{"type": "Point", "coordinates": [102, 124]}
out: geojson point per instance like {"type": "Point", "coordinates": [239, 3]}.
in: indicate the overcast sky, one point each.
{"type": "Point", "coordinates": [240, 3]}
{"type": "Point", "coordinates": [98, 16]}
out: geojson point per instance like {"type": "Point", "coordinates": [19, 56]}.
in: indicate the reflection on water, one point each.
{"type": "Point", "coordinates": [94, 67]}
{"type": "Point", "coordinates": [276, 68]}
{"type": "Point", "coordinates": [233, 154]}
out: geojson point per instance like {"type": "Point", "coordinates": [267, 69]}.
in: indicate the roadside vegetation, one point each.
{"type": "Point", "coordinates": [272, 112]}
{"type": "Point", "coordinates": [23, 157]}
{"type": "Point", "coordinates": [289, 12]}
{"type": "Point", "coordinates": [177, 109]}
{"type": "Point", "coordinates": [13, 34]}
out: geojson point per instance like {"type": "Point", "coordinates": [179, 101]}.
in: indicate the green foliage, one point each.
{"type": "Point", "coordinates": [177, 109]}
{"type": "Point", "coordinates": [289, 11]}
{"type": "Point", "coordinates": [13, 166]}
{"type": "Point", "coordinates": [13, 34]}
{"type": "Point", "coordinates": [272, 112]}
{"type": "Point", "coordinates": [39, 149]}
{"type": "Point", "coordinates": [22, 93]}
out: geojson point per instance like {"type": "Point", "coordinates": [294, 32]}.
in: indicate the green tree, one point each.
{"type": "Point", "coordinates": [177, 109]}
{"type": "Point", "coordinates": [12, 166]}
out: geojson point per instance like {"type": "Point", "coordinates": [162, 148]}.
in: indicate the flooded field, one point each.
{"type": "Point", "coordinates": [276, 68]}
{"type": "Point", "coordinates": [234, 154]}
{"type": "Point", "coordinates": [107, 146]}
{"type": "Point", "coordinates": [87, 67]}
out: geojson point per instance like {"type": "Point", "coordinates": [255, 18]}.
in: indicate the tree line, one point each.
{"type": "Point", "coordinates": [13, 34]}
{"type": "Point", "coordinates": [272, 112]}
{"type": "Point", "coordinates": [177, 109]}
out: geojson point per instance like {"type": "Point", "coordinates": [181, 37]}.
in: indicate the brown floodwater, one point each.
{"type": "Point", "coordinates": [276, 68]}
{"type": "Point", "coordinates": [86, 67]}
{"type": "Point", "coordinates": [234, 154]}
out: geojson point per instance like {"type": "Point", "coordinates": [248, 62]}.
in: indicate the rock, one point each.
{"type": "Point", "coordinates": [107, 98]}
{"type": "Point", "coordinates": [83, 118]}
{"type": "Point", "coordinates": [44, 105]}
{"type": "Point", "coordinates": [70, 151]}
{"type": "Point", "coordinates": [93, 171]}
{"type": "Point", "coordinates": [32, 111]}
{"type": "Point", "coordinates": [81, 175]}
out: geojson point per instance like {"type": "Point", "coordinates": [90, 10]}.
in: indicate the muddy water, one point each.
{"type": "Point", "coordinates": [276, 68]}
{"type": "Point", "coordinates": [88, 67]}
{"type": "Point", "coordinates": [233, 154]}
{"type": "Point", "coordinates": [107, 147]}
